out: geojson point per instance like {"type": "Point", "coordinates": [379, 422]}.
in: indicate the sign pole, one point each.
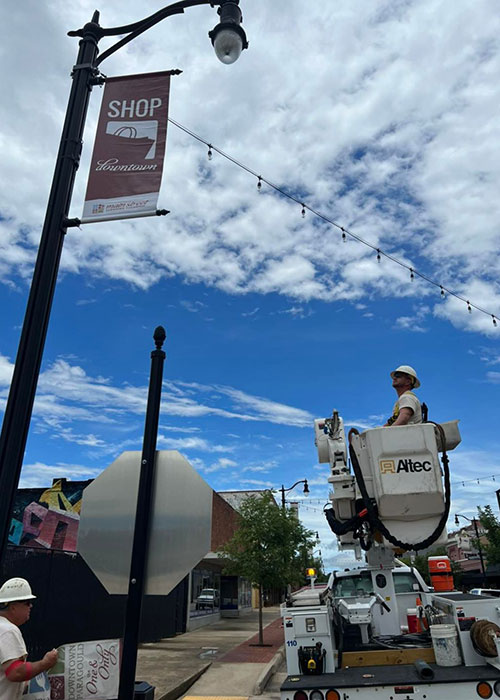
{"type": "Point", "coordinates": [138, 566]}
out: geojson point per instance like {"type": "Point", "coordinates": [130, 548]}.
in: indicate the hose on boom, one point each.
{"type": "Point", "coordinates": [366, 521]}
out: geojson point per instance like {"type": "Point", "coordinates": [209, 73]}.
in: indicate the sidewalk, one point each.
{"type": "Point", "coordinates": [214, 660]}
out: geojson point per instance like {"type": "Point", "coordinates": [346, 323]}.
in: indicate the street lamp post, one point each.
{"type": "Point", "coordinates": [480, 551]}
{"type": "Point", "coordinates": [228, 39]}
{"type": "Point", "coordinates": [284, 490]}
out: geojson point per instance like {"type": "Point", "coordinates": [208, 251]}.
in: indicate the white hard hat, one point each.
{"type": "Point", "coordinates": [16, 589]}
{"type": "Point", "coordinates": [407, 370]}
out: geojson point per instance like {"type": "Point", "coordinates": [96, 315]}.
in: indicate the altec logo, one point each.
{"type": "Point", "coordinates": [389, 466]}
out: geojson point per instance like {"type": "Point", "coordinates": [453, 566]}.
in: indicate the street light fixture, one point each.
{"type": "Point", "coordinates": [85, 76]}
{"type": "Point", "coordinates": [228, 37]}
{"type": "Point", "coordinates": [283, 490]}
{"type": "Point", "coordinates": [480, 551]}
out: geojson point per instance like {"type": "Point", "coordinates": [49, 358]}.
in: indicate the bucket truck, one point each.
{"type": "Point", "coordinates": [352, 638]}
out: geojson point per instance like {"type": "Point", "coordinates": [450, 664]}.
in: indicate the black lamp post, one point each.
{"type": "Point", "coordinates": [283, 490]}
{"type": "Point", "coordinates": [480, 551]}
{"type": "Point", "coordinates": [228, 39]}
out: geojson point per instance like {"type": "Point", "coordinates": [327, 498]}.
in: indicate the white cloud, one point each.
{"type": "Point", "coordinates": [191, 443]}
{"type": "Point", "coordinates": [39, 475]}
{"type": "Point", "coordinates": [67, 394]}
{"type": "Point", "coordinates": [414, 176]}
{"type": "Point", "coordinates": [414, 323]}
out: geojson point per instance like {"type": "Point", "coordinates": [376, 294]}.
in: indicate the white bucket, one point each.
{"type": "Point", "coordinates": [445, 643]}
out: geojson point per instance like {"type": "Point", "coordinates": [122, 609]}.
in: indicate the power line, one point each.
{"type": "Point", "coordinates": [344, 231]}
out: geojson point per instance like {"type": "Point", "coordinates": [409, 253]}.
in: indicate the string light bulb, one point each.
{"type": "Point", "coordinates": [412, 276]}
{"type": "Point", "coordinates": [332, 223]}
{"type": "Point", "coordinates": [303, 212]}
{"type": "Point", "coordinates": [378, 255]}
{"type": "Point", "coordinates": [259, 183]}
{"type": "Point", "coordinates": [469, 307]}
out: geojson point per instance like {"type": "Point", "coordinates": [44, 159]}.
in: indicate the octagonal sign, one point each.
{"type": "Point", "coordinates": [181, 522]}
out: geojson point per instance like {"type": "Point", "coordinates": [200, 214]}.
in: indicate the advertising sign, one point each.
{"type": "Point", "coordinates": [129, 149]}
{"type": "Point", "coordinates": [86, 670]}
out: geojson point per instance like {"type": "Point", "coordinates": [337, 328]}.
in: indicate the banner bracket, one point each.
{"type": "Point", "coordinates": [71, 223]}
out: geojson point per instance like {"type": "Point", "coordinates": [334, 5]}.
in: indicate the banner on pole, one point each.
{"type": "Point", "coordinates": [129, 149]}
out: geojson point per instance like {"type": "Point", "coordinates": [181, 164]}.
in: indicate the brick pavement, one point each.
{"type": "Point", "coordinates": [246, 653]}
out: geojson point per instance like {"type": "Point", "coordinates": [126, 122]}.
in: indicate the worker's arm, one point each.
{"type": "Point", "coordinates": [404, 416]}
{"type": "Point", "coordinates": [18, 670]}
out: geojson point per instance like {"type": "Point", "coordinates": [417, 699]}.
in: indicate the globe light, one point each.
{"type": "Point", "coordinates": [228, 46]}
{"type": "Point", "coordinates": [228, 37]}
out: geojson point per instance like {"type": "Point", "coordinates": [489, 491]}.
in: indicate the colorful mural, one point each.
{"type": "Point", "coordinates": [48, 518]}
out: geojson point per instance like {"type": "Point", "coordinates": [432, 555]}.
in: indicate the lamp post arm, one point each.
{"type": "Point", "coordinates": [136, 28]}
{"type": "Point", "coordinates": [300, 481]}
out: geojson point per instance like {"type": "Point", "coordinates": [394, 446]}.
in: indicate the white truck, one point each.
{"type": "Point", "coordinates": [350, 640]}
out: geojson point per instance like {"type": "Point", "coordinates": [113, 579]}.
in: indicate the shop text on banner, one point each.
{"type": "Point", "coordinates": [129, 149]}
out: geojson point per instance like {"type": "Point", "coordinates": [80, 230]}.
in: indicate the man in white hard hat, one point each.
{"type": "Point", "coordinates": [407, 409]}
{"type": "Point", "coordinates": [16, 600]}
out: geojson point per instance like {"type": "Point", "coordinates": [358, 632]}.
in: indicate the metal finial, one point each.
{"type": "Point", "coordinates": [159, 337]}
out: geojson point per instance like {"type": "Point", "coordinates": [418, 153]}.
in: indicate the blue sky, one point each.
{"type": "Point", "coordinates": [380, 115]}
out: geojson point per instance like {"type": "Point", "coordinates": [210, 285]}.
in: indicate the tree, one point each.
{"type": "Point", "coordinates": [264, 547]}
{"type": "Point", "coordinates": [491, 525]}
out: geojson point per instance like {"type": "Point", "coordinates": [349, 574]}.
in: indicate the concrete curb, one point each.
{"type": "Point", "coordinates": [184, 685]}
{"type": "Point", "coordinates": [269, 671]}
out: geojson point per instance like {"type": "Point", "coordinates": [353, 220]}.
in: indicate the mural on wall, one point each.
{"type": "Point", "coordinates": [48, 518]}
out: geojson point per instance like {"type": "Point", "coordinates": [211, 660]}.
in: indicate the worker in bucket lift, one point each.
{"type": "Point", "coordinates": [407, 409]}
{"type": "Point", "coordinates": [16, 600]}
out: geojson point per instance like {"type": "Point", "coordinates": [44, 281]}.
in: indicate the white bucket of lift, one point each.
{"type": "Point", "coordinates": [445, 643]}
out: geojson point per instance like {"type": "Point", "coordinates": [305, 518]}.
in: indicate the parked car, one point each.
{"type": "Point", "coordinates": [492, 592]}
{"type": "Point", "coordinates": [208, 598]}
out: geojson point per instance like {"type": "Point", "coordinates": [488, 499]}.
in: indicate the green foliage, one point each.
{"type": "Point", "coordinates": [491, 524]}
{"type": "Point", "coordinates": [265, 548]}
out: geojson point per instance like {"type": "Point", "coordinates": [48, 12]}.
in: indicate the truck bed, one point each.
{"type": "Point", "coordinates": [399, 675]}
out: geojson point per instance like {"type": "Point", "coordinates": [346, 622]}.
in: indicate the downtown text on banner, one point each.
{"type": "Point", "coordinates": [129, 149]}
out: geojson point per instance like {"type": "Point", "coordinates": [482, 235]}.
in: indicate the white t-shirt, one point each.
{"type": "Point", "coordinates": [409, 400]}
{"type": "Point", "coordinates": [12, 646]}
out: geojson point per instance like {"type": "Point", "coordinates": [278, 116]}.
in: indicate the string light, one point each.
{"type": "Point", "coordinates": [463, 482]}
{"type": "Point", "coordinates": [328, 220]}
{"type": "Point", "coordinates": [378, 255]}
